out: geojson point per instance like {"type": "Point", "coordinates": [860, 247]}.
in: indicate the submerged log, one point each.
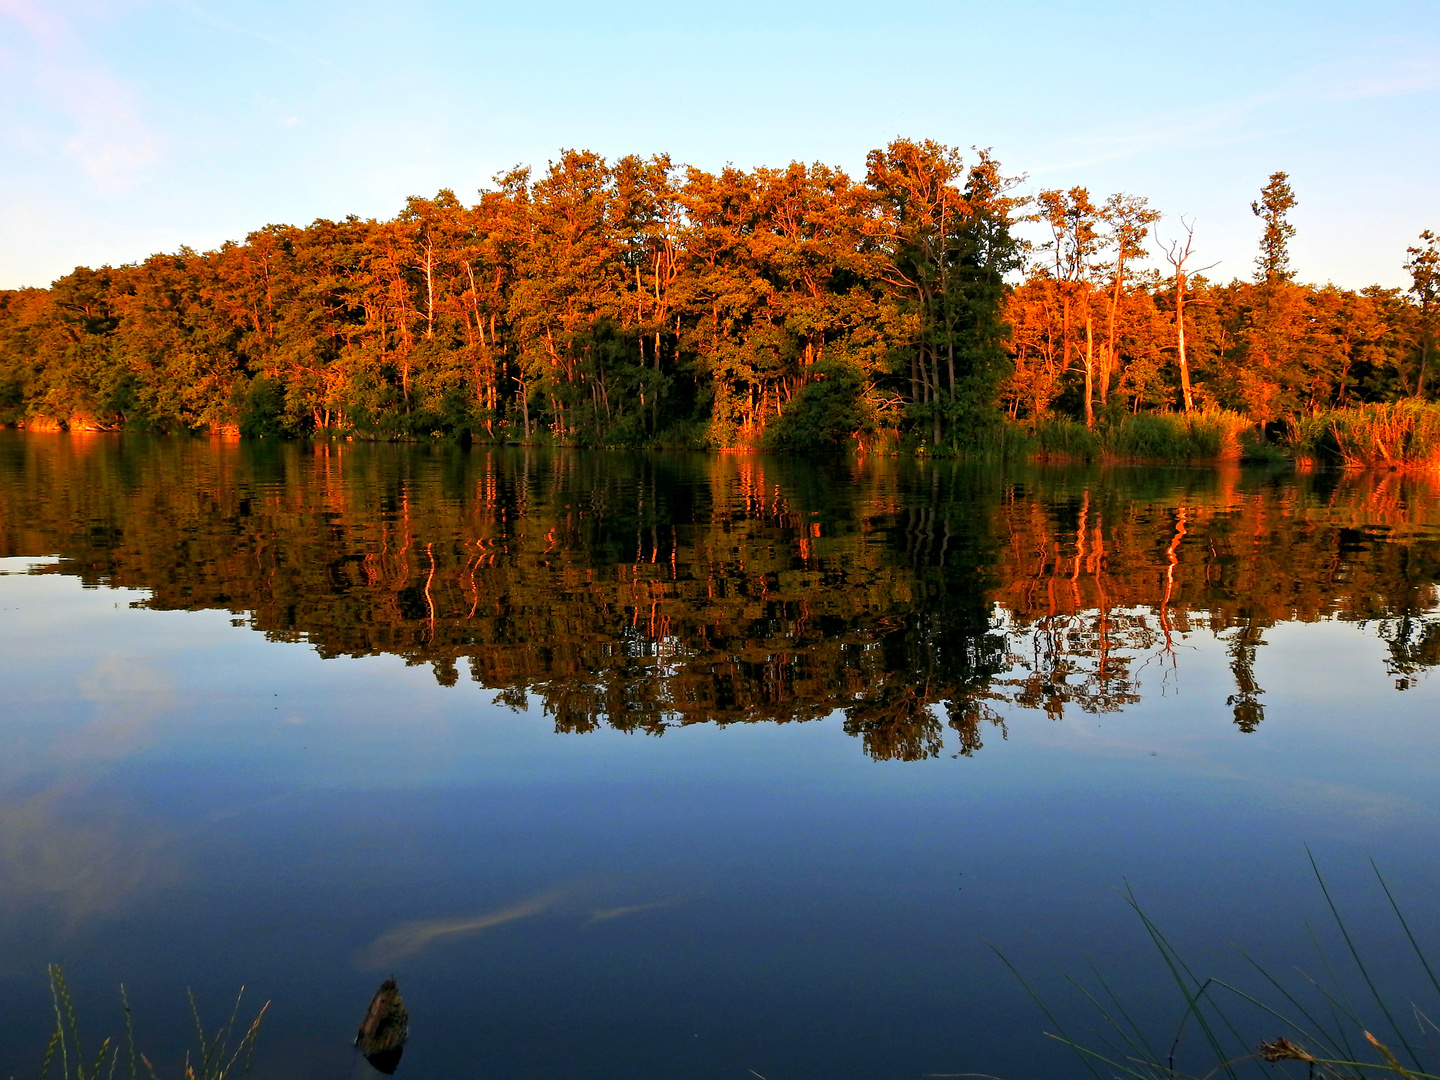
{"type": "Point", "coordinates": [386, 1026]}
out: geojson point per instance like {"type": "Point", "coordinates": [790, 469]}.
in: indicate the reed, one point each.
{"type": "Point", "coordinates": [1404, 434]}
{"type": "Point", "coordinates": [215, 1057]}
{"type": "Point", "coordinates": [1059, 439]}
{"type": "Point", "coordinates": [1320, 1025]}
{"type": "Point", "coordinates": [1208, 436]}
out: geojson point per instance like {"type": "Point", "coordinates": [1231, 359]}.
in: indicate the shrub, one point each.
{"type": "Point", "coordinates": [828, 411]}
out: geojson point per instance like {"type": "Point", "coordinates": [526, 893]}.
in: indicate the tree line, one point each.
{"type": "Point", "coordinates": [1090, 331]}
{"type": "Point", "coordinates": [638, 302]}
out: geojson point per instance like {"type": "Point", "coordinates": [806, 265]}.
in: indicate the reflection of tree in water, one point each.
{"type": "Point", "coordinates": [1413, 643]}
{"type": "Point", "coordinates": [923, 603]}
{"type": "Point", "coordinates": [1246, 700]}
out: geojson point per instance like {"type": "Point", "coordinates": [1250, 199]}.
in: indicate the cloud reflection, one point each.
{"type": "Point", "coordinates": [606, 914]}
{"type": "Point", "coordinates": [59, 846]}
{"type": "Point", "coordinates": [409, 938]}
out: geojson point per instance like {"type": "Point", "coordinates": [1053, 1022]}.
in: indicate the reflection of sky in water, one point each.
{"type": "Point", "coordinates": [184, 802]}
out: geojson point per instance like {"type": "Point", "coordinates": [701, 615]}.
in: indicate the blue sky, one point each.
{"type": "Point", "coordinates": [134, 126]}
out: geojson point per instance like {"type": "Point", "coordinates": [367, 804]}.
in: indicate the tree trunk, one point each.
{"type": "Point", "coordinates": [1065, 326]}
{"type": "Point", "coordinates": [429, 289]}
{"type": "Point", "coordinates": [1424, 362]}
{"type": "Point", "coordinates": [1089, 367]}
{"type": "Point", "coordinates": [935, 399]}
{"type": "Point", "coordinates": [1180, 340]}
{"type": "Point", "coordinates": [1110, 351]}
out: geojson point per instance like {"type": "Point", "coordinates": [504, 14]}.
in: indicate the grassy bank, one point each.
{"type": "Point", "coordinates": [1209, 436]}
{"type": "Point", "coordinates": [1405, 434]}
{"type": "Point", "coordinates": [1402, 435]}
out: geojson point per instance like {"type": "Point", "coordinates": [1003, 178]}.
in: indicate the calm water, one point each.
{"type": "Point", "coordinates": [676, 766]}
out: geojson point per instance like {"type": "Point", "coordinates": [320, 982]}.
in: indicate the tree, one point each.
{"type": "Point", "coordinates": [1128, 218]}
{"type": "Point", "coordinates": [1424, 268]}
{"type": "Point", "coordinates": [1177, 254]}
{"type": "Point", "coordinates": [916, 185]}
{"type": "Point", "coordinates": [1272, 265]}
{"type": "Point", "coordinates": [1074, 242]}
{"type": "Point", "coordinates": [1273, 339]}
{"type": "Point", "coordinates": [945, 246]}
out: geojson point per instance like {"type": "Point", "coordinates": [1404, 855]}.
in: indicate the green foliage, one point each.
{"type": "Point", "coordinates": [616, 303]}
{"type": "Point", "coordinates": [829, 411]}
{"type": "Point", "coordinates": [1201, 436]}
{"type": "Point", "coordinates": [1255, 449]}
{"type": "Point", "coordinates": [1207, 436]}
{"type": "Point", "coordinates": [263, 409]}
{"type": "Point", "coordinates": [12, 401]}
{"type": "Point", "coordinates": [1004, 441]}
{"type": "Point", "coordinates": [636, 303]}
{"type": "Point", "coordinates": [1057, 438]}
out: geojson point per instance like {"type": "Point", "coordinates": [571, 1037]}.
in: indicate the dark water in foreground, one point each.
{"type": "Point", "coordinates": [679, 766]}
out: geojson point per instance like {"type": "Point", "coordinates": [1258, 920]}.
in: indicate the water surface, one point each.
{"type": "Point", "coordinates": [669, 765]}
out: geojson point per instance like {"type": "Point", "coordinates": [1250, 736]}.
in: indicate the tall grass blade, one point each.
{"type": "Point", "coordinates": [57, 993]}
{"type": "Point", "coordinates": [1136, 1052]}
{"type": "Point", "coordinates": [1062, 1037]}
{"type": "Point", "coordinates": [1176, 965]}
{"type": "Point", "coordinates": [1343, 1004]}
{"type": "Point", "coordinates": [1419, 952]}
{"type": "Point", "coordinates": [129, 1032]}
{"type": "Point", "coordinates": [1120, 1008]}
{"type": "Point", "coordinates": [1321, 1040]}
{"type": "Point", "coordinates": [1389, 1057]}
{"type": "Point", "coordinates": [1355, 955]}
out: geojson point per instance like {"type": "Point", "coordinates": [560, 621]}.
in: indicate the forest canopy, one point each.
{"type": "Point", "coordinates": [639, 302]}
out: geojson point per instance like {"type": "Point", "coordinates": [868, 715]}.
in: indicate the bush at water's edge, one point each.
{"type": "Point", "coordinates": [1405, 434]}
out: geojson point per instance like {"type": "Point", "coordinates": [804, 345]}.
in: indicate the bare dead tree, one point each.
{"type": "Point", "coordinates": [1177, 254]}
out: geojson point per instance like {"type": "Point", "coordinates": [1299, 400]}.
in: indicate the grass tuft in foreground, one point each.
{"type": "Point", "coordinates": [214, 1059]}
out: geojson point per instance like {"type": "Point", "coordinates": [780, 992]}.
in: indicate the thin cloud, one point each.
{"type": "Point", "coordinates": [41, 23]}
{"type": "Point", "coordinates": [1378, 74]}
{"type": "Point", "coordinates": [218, 22]}
{"type": "Point", "coordinates": [1213, 123]}
{"type": "Point", "coordinates": [96, 116]}
{"type": "Point", "coordinates": [111, 142]}
{"type": "Point", "coordinates": [1396, 80]}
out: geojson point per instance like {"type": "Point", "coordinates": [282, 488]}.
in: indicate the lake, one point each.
{"type": "Point", "coordinates": [664, 765]}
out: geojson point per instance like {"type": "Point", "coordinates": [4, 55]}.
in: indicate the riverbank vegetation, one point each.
{"type": "Point", "coordinates": [637, 302]}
